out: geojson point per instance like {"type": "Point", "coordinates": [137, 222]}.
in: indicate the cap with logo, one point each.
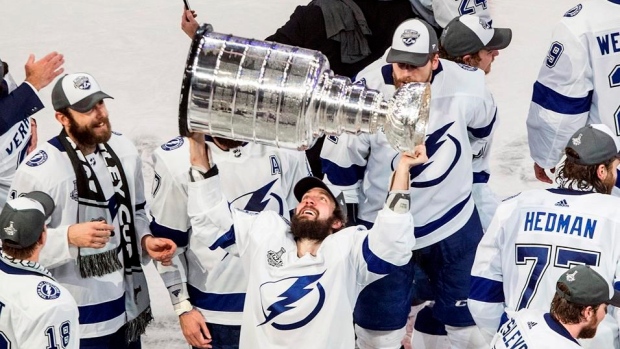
{"type": "Point", "coordinates": [587, 287]}
{"type": "Point", "coordinates": [413, 42]}
{"type": "Point", "coordinates": [79, 91]}
{"type": "Point", "coordinates": [308, 183]}
{"type": "Point", "coordinates": [22, 219]}
{"type": "Point", "coordinates": [469, 34]}
{"type": "Point", "coordinates": [594, 144]}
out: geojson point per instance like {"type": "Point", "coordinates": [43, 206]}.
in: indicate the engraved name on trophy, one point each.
{"type": "Point", "coordinates": [285, 96]}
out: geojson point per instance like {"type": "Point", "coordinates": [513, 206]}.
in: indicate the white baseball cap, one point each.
{"type": "Point", "coordinates": [469, 34]}
{"type": "Point", "coordinates": [79, 91]}
{"type": "Point", "coordinates": [413, 42]}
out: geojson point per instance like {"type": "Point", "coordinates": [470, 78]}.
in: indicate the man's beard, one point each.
{"type": "Point", "coordinates": [84, 135]}
{"type": "Point", "coordinates": [590, 330]}
{"type": "Point", "coordinates": [227, 143]}
{"type": "Point", "coordinates": [317, 229]}
{"type": "Point", "coordinates": [609, 183]}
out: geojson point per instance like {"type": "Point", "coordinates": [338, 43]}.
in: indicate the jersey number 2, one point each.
{"type": "Point", "coordinates": [540, 257]}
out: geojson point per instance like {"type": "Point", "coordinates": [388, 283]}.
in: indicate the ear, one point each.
{"type": "Point", "coordinates": [337, 225]}
{"type": "Point", "coordinates": [601, 172]}
{"type": "Point", "coordinates": [63, 119]}
{"type": "Point", "coordinates": [435, 61]}
{"type": "Point", "coordinates": [467, 59]}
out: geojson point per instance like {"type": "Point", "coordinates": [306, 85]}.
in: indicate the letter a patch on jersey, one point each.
{"type": "Point", "coordinates": [275, 165]}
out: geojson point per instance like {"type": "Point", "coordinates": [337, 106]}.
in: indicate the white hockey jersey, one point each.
{"type": "Point", "coordinates": [299, 302]}
{"type": "Point", "coordinates": [35, 310]}
{"type": "Point", "coordinates": [534, 238]}
{"type": "Point", "coordinates": [446, 10]}
{"type": "Point", "coordinates": [100, 300]}
{"type": "Point", "coordinates": [462, 116]}
{"type": "Point", "coordinates": [255, 178]}
{"type": "Point", "coordinates": [579, 81]}
{"type": "Point", "coordinates": [533, 329]}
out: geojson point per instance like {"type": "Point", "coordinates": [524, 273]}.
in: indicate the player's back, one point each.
{"type": "Point", "coordinates": [545, 232]}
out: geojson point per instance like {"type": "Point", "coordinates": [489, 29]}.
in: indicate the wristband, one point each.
{"type": "Point", "coordinates": [183, 307]}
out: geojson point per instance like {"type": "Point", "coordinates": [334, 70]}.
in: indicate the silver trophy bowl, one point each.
{"type": "Point", "coordinates": [286, 96]}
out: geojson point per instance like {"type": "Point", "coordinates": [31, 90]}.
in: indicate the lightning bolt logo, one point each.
{"type": "Point", "coordinates": [259, 199]}
{"type": "Point", "coordinates": [298, 290]}
{"type": "Point", "coordinates": [433, 142]}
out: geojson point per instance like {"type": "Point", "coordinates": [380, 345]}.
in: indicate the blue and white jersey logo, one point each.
{"type": "Point", "coordinates": [47, 290]}
{"type": "Point", "coordinates": [293, 302]}
{"type": "Point", "coordinates": [260, 200]}
{"type": "Point", "coordinates": [173, 144]}
{"type": "Point", "coordinates": [446, 147]}
{"type": "Point", "coordinates": [573, 11]}
{"type": "Point", "coordinates": [38, 159]}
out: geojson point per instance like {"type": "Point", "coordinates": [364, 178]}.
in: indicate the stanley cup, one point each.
{"type": "Point", "coordinates": [285, 96]}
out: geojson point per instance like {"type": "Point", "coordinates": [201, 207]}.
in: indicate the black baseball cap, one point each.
{"type": "Point", "coordinates": [79, 91]}
{"type": "Point", "coordinates": [594, 144]}
{"type": "Point", "coordinates": [22, 220]}
{"type": "Point", "coordinates": [587, 287]}
{"type": "Point", "coordinates": [413, 43]}
{"type": "Point", "coordinates": [469, 34]}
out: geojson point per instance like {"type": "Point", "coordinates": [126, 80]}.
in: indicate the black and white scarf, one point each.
{"type": "Point", "coordinates": [93, 206]}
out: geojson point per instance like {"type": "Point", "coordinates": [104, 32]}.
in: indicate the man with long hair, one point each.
{"type": "Point", "coordinates": [538, 234]}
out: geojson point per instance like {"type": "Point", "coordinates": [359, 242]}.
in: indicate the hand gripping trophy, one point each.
{"type": "Point", "coordinates": [285, 96]}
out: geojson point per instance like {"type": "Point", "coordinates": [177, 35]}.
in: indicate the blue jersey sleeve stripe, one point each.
{"type": "Point", "coordinates": [375, 264]}
{"type": "Point", "coordinates": [617, 285]}
{"type": "Point", "coordinates": [556, 102]}
{"type": "Point", "coordinates": [92, 314]}
{"type": "Point", "coordinates": [482, 132]}
{"type": "Point", "coordinates": [227, 302]}
{"type": "Point", "coordinates": [225, 240]}
{"type": "Point", "coordinates": [481, 177]}
{"type": "Point", "coordinates": [181, 238]}
{"type": "Point", "coordinates": [340, 175]}
{"type": "Point", "coordinates": [432, 226]}
{"type": "Point", "coordinates": [486, 290]}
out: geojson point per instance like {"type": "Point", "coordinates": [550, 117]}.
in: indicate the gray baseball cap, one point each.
{"type": "Point", "coordinates": [22, 220]}
{"type": "Point", "coordinates": [79, 91]}
{"type": "Point", "coordinates": [594, 144]}
{"type": "Point", "coordinates": [413, 42]}
{"type": "Point", "coordinates": [587, 287]}
{"type": "Point", "coordinates": [469, 34]}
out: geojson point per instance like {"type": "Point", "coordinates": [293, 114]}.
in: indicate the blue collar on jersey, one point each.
{"type": "Point", "coordinates": [557, 327]}
{"type": "Point", "coordinates": [563, 191]}
{"type": "Point", "coordinates": [617, 2]}
{"type": "Point", "coordinates": [388, 78]}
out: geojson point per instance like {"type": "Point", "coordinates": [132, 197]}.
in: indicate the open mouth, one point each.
{"type": "Point", "coordinates": [308, 212]}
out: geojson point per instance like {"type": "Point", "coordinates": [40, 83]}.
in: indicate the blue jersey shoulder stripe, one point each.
{"type": "Point", "coordinates": [481, 177]}
{"type": "Point", "coordinates": [340, 175]}
{"type": "Point", "coordinates": [181, 238]}
{"type": "Point", "coordinates": [375, 264]}
{"type": "Point", "coordinates": [228, 302]}
{"type": "Point", "coordinates": [556, 102]}
{"type": "Point", "coordinates": [92, 314]}
{"type": "Point", "coordinates": [441, 221]}
{"type": "Point", "coordinates": [486, 290]}
{"type": "Point", "coordinates": [225, 240]}
{"type": "Point", "coordinates": [482, 132]}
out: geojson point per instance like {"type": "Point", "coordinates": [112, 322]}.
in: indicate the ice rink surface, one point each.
{"type": "Point", "coordinates": [136, 50]}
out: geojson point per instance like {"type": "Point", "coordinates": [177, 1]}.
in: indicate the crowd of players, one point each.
{"type": "Point", "coordinates": [282, 259]}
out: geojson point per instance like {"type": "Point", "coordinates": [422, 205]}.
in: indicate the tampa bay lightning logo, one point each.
{"type": "Point", "coordinates": [37, 159]}
{"type": "Point", "coordinates": [450, 153]}
{"type": "Point", "coordinates": [409, 37]}
{"type": "Point", "coordinates": [260, 200]}
{"type": "Point", "coordinates": [173, 144]}
{"type": "Point", "coordinates": [47, 290]}
{"type": "Point", "coordinates": [573, 11]}
{"type": "Point", "coordinates": [293, 302]}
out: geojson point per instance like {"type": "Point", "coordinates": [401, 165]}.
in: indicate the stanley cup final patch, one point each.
{"type": "Point", "coordinates": [275, 258]}
{"type": "Point", "coordinates": [409, 37]}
